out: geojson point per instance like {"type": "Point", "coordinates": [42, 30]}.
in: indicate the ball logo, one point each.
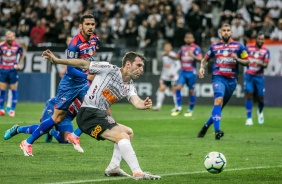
{"type": "Point", "coordinates": [96, 131]}
{"type": "Point", "coordinates": [225, 53]}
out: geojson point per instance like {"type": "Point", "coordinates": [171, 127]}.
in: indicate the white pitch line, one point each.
{"type": "Point", "coordinates": [169, 174]}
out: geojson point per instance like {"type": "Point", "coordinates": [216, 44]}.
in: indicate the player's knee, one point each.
{"type": "Point", "coordinates": [130, 133]}
{"type": "Point", "coordinates": [121, 136]}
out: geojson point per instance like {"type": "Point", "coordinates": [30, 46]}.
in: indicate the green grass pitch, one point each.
{"type": "Point", "coordinates": [164, 145]}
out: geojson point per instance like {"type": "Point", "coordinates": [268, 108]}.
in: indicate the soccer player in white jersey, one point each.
{"type": "Point", "coordinates": [110, 85]}
{"type": "Point", "coordinates": [169, 75]}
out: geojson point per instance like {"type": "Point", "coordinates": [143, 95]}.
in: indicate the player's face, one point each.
{"type": "Point", "coordinates": [136, 68]}
{"type": "Point", "coordinates": [68, 40]}
{"type": "Point", "coordinates": [226, 33]}
{"type": "Point", "coordinates": [87, 27]}
{"type": "Point", "coordinates": [260, 40]}
{"type": "Point", "coordinates": [189, 38]}
{"type": "Point", "coordinates": [167, 47]}
{"type": "Point", "coordinates": [10, 38]}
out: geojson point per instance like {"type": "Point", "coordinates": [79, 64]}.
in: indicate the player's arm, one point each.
{"type": "Point", "coordinates": [203, 65]}
{"type": "Point", "coordinates": [243, 60]}
{"type": "Point", "coordinates": [21, 59]}
{"type": "Point", "coordinates": [80, 63]}
{"type": "Point", "coordinates": [264, 64]}
{"type": "Point", "coordinates": [139, 103]}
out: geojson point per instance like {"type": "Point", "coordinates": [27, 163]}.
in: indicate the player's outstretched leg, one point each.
{"type": "Point", "coordinates": [203, 131]}
{"type": "Point", "coordinates": [219, 134]}
{"type": "Point", "coordinates": [11, 132]}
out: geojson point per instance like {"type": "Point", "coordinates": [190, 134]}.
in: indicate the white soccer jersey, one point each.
{"type": "Point", "coordinates": [107, 86]}
{"type": "Point", "coordinates": [170, 68]}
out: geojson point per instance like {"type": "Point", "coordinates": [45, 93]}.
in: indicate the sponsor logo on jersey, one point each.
{"type": "Point", "coordinates": [96, 131]}
{"type": "Point", "coordinates": [256, 55]}
{"type": "Point", "coordinates": [71, 54]}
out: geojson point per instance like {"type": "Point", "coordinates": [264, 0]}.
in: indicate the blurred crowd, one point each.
{"type": "Point", "coordinates": [140, 23]}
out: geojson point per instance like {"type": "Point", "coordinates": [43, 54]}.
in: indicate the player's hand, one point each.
{"type": "Point", "coordinates": [17, 66]}
{"type": "Point", "coordinates": [90, 77]}
{"type": "Point", "coordinates": [234, 56]}
{"type": "Point", "coordinates": [148, 103]}
{"type": "Point", "coordinates": [201, 73]}
{"type": "Point", "coordinates": [192, 54]}
{"type": "Point", "coordinates": [47, 54]}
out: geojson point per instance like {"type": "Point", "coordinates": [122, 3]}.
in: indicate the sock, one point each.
{"type": "Point", "coordinates": [43, 128]}
{"type": "Point", "coordinates": [57, 135]}
{"type": "Point", "coordinates": [209, 122]}
{"type": "Point", "coordinates": [160, 98]}
{"type": "Point", "coordinates": [249, 107]}
{"type": "Point", "coordinates": [216, 116]}
{"type": "Point", "coordinates": [192, 102]}
{"type": "Point", "coordinates": [178, 98]}
{"type": "Point", "coordinates": [260, 106]}
{"type": "Point", "coordinates": [128, 154]}
{"type": "Point", "coordinates": [116, 158]}
{"type": "Point", "coordinates": [14, 99]}
{"type": "Point", "coordinates": [174, 100]}
{"type": "Point", "coordinates": [2, 98]}
{"type": "Point", "coordinates": [27, 129]}
{"type": "Point", "coordinates": [77, 132]}
{"type": "Point", "coordinates": [9, 99]}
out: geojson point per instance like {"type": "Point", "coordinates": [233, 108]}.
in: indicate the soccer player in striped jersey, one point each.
{"type": "Point", "coordinates": [189, 55]}
{"type": "Point", "coordinates": [228, 55]}
{"type": "Point", "coordinates": [12, 56]}
{"type": "Point", "coordinates": [169, 76]}
{"type": "Point", "coordinates": [73, 84]}
{"type": "Point", "coordinates": [254, 81]}
{"type": "Point", "coordinates": [110, 85]}
{"type": "Point", "coordinates": [61, 130]}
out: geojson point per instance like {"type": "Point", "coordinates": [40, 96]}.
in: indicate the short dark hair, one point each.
{"type": "Point", "coordinates": [260, 34]}
{"type": "Point", "coordinates": [86, 16]}
{"type": "Point", "coordinates": [225, 25]}
{"type": "Point", "coordinates": [130, 56]}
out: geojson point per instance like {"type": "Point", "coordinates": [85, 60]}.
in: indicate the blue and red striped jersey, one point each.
{"type": "Point", "coordinates": [188, 63]}
{"type": "Point", "coordinates": [9, 55]}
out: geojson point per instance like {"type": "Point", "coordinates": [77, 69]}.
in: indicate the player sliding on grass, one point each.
{"type": "Point", "coordinates": [62, 130]}
{"type": "Point", "coordinates": [110, 85]}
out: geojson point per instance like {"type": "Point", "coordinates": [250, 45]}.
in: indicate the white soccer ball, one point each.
{"type": "Point", "coordinates": [215, 162]}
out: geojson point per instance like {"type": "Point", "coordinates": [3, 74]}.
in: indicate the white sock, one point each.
{"type": "Point", "coordinates": [116, 158]}
{"type": "Point", "coordinates": [9, 99]}
{"type": "Point", "coordinates": [174, 100]}
{"type": "Point", "coordinates": [160, 99]}
{"type": "Point", "coordinates": [128, 154]}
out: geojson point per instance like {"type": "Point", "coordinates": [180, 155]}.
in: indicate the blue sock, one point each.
{"type": "Point", "coordinates": [2, 98]}
{"type": "Point", "coordinates": [178, 98]}
{"type": "Point", "coordinates": [27, 129]}
{"type": "Point", "coordinates": [249, 107]}
{"type": "Point", "coordinates": [192, 102]}
{"type": "Point", "coordinates": [14, 99]}
{"type": "Point", "coordinates": [216, 116]}
{"type": "Point", "coordinates": [209, 122]}
{"type": "Point", "coordinates": [260, 106]}
{"type": "Point", "coordinates": [77, 132]}
{"type": "Point", "coordinates": [43, 128]}
{"type": "Point", "coordinates": [57, 136]}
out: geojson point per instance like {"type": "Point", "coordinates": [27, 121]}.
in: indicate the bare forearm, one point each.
{"type": "Point", "coordinates": [244, 62]}
{"type": "Point", "coordinates": [80, 63]}
{"type": "Point", "coordinates": [204, 63]}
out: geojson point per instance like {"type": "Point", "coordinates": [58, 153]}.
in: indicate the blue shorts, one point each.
{"type": "Point", "coordinates": [65, 125]}
{"type": "Point", "coordinates": [67, 93]}
{"type": "Point", "coordinates": [9, 76]}
{"type": "Point", "coordinates": [223, 87]}
{"type": "Point", "coordinates": [187, 77]}
{"type": "Point", "coordinates": [254, 84]}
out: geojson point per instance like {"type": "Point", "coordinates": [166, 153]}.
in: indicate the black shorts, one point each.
{"type": "Point", "coordinates": [94, 122]}
{"type": "Point", "coordinates": [169, 83]}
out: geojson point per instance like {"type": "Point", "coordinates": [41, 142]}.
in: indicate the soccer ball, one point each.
{"type": "Point", "coordinates": [215, 162]}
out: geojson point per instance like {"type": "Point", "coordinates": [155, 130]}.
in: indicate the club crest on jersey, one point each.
{"type": "Point", "coordinates": [49, 111]}
{"type": "Point", "coordinates": [215, 85]}
{"type": "Point", "coordinates": [225, 53]}
{"type": "Point", "coordinates": [90, 52]}
{"type": "Point", "coordinates": [63, 99]}
{"type": "Point", "coordinates": [256, 55]}
{"type": "Point", "coordinates": [8, 53]}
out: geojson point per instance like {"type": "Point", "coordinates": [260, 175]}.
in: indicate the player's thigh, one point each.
{"type": "Point", "coordinates": [248, 84]}
{"type": "Point", "coordinates": [259, 85]}
{"type": "Point", "coordinates": [94, 122]}
{"type": "Point", "coordinates": [181, 79]}
{"type": "Point", "coordinates": [192, 79]}
{"type": "Point", "coordinates": [65, 97]}
{"type": "Point", "coordinates": [218, 87]}
{"type": "Point", "coordinates": [13, 79]}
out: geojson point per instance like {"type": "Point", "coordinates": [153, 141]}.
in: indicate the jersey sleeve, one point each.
{"type": "Point", "coordinates": [20, 50]}
{"type": "Point", "coordinates": [72, 51]}
{"type": "Point", "coordinates": [132, 91]}
{"type": "Point", "coordinates": [209, 54]}
{"type": "Point", "coordinates": [243, 54]}
{"type": "Point", "coordinates": [266, 57]}
{"type": "Point", "coordinates": [198, 51]}
{"type": "Point", "coordinates": [101, 67]}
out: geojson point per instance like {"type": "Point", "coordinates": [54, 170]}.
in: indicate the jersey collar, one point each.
{"type": "Point", "coordinates": [81, 37]}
